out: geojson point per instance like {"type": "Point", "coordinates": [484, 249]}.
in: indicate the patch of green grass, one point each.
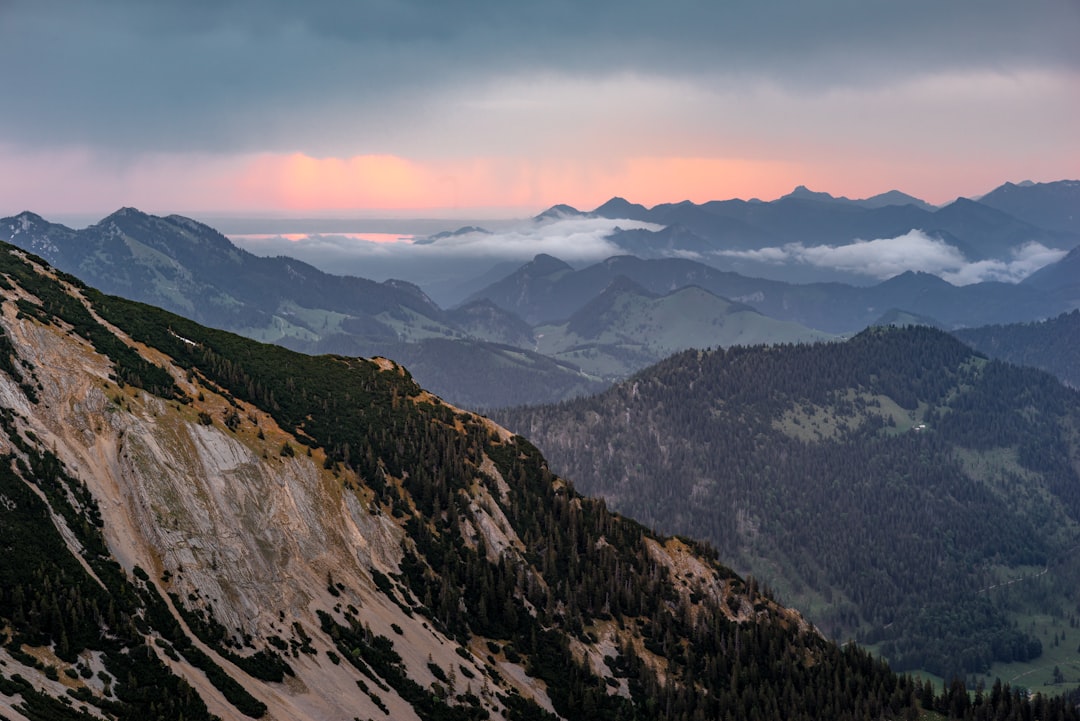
{"type": "Point", "coordinates": [1062, 653]}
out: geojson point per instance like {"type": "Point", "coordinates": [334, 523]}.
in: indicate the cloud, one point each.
{"type": "Point", "coordinates": [573, 239]}
{"type": "Point", "coordinates": [914, 251]}
{"type": "Point", "coordinates": [1024, 261]}
{"type": "Point", "coordinates": [344, 78]}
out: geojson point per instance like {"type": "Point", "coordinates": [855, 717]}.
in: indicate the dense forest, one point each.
{"type": "Point", "coordinates": [883, 481]}
{"type": "Point", "coordinates": [1052, 345]}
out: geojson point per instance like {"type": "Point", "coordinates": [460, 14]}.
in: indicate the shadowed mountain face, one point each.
{"type": "Point", "coordinates": [1060, 280]}
{"type": "Point", "coordinates": [197, 525]}
{"type": "Point", "coordinates": [878, 483]}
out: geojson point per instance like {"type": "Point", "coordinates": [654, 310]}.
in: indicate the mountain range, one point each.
{"type": "Point", "coordinates": [196, 525]}
{"type": "Point", "coordinates": [191, 269]}
{"type": "Point", "coordinates": [547, 290]}
{"type": "Point", "coordinates": [720, 232]}
{"type": "Point", "coordinates": [545, 331]}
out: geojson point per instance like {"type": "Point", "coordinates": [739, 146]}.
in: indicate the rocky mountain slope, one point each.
{"type": "Point", "coordinates": [196, 525]}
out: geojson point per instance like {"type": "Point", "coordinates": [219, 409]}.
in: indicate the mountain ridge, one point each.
{"type": "Point", "coordinates": [188, 267]}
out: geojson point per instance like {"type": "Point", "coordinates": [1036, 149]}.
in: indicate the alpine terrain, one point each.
{"type": "Point", "coordinates": [195, 525]}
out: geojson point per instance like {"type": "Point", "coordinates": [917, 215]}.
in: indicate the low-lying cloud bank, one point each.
{"type": "Point", "coordinates": [582, 241]}
{"type": "Point", "coordinates": [576, 240]}
{"type": "Point", "coordinates": [916, 251]}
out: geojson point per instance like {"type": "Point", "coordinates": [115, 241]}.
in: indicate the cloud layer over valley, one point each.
{"type": "Point", "coordinates": [884, 258]}
{"type": "Point", "coordinates": [456, 257]}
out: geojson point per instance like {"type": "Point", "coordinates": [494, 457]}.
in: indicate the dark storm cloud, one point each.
{"type": "Point", "coordinates": [283, 76]}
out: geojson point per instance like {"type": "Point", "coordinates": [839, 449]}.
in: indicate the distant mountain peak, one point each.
{"type": "Point", "coordinates": [29, 216]}
{"type": "Point", "coordinates": [803, 193]}
{"type": "Point", "coordinates": [442, 235]}
{"type": "Point", "coordinates": [621, 208]}
{"type": "Point", "coordinates": [560, 212]}
{"type": "Point", "coordinates": [544, 264]}
{"type": "Point", "coordinates": [127, 212]}
{"type": "Point", "coordinates": [894, 197]}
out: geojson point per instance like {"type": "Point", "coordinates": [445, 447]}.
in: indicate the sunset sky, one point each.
{"type": "Point", "coordinates": [505, 107]}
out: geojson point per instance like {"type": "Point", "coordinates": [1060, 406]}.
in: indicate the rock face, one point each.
{"type": "Point", "coordinates": [233, 525]}
{"type": "Point", "coordinates": [348, 547]}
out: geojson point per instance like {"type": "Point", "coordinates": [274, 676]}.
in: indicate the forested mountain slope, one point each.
{"type": "Point", "coordinates": [879, 483]}
{"type": "Point", "coordinates": [196, 525]}
{"type": "Point", "coordinates": [1052, 345]}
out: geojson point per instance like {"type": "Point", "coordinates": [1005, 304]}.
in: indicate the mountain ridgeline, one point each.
{"type": "Point", "coordinates": [189, 268]}
{"type": "Point", "coordinates": [547, 331]}
{"type": "Point", "coordinates": [1052, 345]}
{"type": "Point", "coordinates": [196, 525]}
{"type": "Point", "coordinates": [882, 484]}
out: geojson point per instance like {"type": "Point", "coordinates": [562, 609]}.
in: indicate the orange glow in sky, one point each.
{"type": "Point", "coordinates": [299, 182]}
{"type": "Point", "coordinates": [489, 187]}
{"type": "Point", "coordinates": [297, 237]}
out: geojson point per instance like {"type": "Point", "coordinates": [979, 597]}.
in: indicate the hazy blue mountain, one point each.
{"type": "Point", "coordinates": [672, 240]}
{"type": "Point", "coordinates": [550, 291]}
{"type": "Point", "coordinates": [622, 208]}
{"type": "Point", "coordinates": [455, 291]}
{"type": "Point", "coordinates": [1060, 279]}
{"type": "Point", "coordinates": [484, 320]}
{"type": "Point", "coordinates": [558, 212]}
{"type": "Point", "coordinates": [980, 230]}
{"type": "Point", "coordinates": [191, 269]}
{"type": "Point", "coordinates": [443, 235]}
{"type": "Point", "coordinates": [901, 318]}
{"type": "Point", "coordinates": [1054, 206]}
{"type": "Point", "coordinates": [530, 291]}
{"type": "Point", "coordinates": [893, 197]}
{"type": "Point", "coordinates": [626, 328]}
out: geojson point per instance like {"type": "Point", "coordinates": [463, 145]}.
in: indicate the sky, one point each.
{"type": "Point", "coordinates": [501, 108]}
